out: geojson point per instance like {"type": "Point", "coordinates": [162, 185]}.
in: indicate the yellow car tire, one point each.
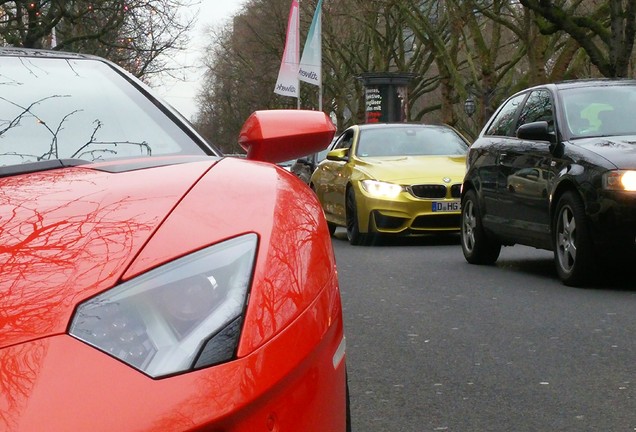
{"type": "Point", "coordinates": [353, 228]}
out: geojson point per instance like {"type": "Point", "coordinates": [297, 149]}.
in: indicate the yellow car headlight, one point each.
{"type": "Point", "coordinates": [380, 189]}
{"type": "Point", "coordinates": [620, 180]}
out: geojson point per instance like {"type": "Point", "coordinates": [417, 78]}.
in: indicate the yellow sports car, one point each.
{"type": "Point", "coordinates": [401, 179]}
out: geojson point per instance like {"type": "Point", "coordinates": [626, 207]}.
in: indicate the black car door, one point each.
{"type": "Point", "coordinates": [527, 174]}
{"type": "Point", "coordinates": [497, 136]}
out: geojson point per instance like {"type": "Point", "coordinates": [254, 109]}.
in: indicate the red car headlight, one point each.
{"type": "Point", "coordinates": [181, 316]}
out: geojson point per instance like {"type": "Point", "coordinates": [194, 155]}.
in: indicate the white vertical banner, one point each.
{"type": "Point", "coordinates": [310, 68]}
{"type": "Point", "coordinates": [287, 83]}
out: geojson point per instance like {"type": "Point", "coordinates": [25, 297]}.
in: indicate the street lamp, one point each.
{"type": "Point", "coordinates": [470, 106]}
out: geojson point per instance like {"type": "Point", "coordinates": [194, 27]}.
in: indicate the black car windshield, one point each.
{"type": "Point", "coordinates": [415, 141]}
{"type": "Point", "coordinates": [57, 108]}
{"type": "Point", "coordinates": [600, 111]}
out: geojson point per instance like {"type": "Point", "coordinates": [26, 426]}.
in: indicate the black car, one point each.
{"type": "Point", "coordinates": [555, 168]}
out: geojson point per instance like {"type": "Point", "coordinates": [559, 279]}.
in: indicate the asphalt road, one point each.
{"type": "Point", "coordinates": [436, 344]}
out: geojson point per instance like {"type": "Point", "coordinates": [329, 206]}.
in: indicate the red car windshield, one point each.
{"type": "Point", "coordinates": [59, 108]}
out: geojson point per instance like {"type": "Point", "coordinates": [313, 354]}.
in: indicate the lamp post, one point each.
{"type": "Point", "coordinates": [469, 105]}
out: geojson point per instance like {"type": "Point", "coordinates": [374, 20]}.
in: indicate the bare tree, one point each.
{"type": "Point", "coordinates": [241, 68]}
{"type": "Point", "coordinates": [137, 34]}
{"type": "Point", "coordinates": [604, 29]}
{"type": "Point", "coordinates": [456, 49]}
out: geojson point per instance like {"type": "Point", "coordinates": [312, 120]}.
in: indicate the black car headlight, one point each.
{"type": "Point", "coordinates": [181, 316]}
{"type": "Point", "coordinates": [623, 180]}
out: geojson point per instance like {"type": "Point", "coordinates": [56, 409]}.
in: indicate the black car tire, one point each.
{"type": "Point", "coordinates": [353, 229]}
{"type": "Point", "coordinates": [573, 251]}
{"type": "Point", "coordinates": [332, 227]}
{"type": "Point", "coordinates": [478, 248]}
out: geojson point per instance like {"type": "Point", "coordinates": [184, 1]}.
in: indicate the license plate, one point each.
{"type": "Point", "coordinates": [447, 206]}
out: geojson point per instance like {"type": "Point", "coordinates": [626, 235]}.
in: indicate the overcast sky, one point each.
{"type": "Point", "coordinates": [181, 95]}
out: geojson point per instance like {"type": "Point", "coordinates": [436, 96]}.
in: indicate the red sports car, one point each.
{"type": "Point", "coordinates": [147, 283]}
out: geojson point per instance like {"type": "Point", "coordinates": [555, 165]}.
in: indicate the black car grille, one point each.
{"type": "Point", "coordinates": [434, 191]}
{"type": "Point", "coordinates": [387, 222]}
{"type": "Point", "coordinates": [436, 222]}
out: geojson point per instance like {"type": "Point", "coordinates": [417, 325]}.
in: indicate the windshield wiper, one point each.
{"type": "Point", "coordinates": [45, 165]}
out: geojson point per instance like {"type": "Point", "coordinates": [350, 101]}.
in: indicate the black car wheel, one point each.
{"type": "Point", "coordinates": [332, 227]}
{"type": "Point", "coordinates": [477, 247]}
{"type": "Point", "coordinates": [573, 254]}
{"type": "Point", "coordinates": [353, 229]}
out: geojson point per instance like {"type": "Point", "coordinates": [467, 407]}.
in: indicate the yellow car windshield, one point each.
{"type": "Point", "coordinates": [410, 141]}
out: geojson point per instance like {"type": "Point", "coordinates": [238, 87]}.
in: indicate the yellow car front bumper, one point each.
{"type": "Point", "coordinates": [407, 214]}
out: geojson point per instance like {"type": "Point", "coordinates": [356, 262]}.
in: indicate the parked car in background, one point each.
{"type": "Point", "coordinates": [555, 168]}
{"type": "Point", "coordinates": [287, 165]}
{"type": "Point", "coordinates": [305, 166]}
{"type": "Point", "coordinates": [147, 282]}
{"type": "Point", "coordinates": [394, 179]}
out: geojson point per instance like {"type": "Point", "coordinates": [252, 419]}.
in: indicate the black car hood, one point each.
{"type": "Point", "coordinates": [619, 150]}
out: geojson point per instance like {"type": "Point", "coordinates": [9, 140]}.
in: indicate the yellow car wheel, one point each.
{"type": "Point", "coordinates": [353, 229]}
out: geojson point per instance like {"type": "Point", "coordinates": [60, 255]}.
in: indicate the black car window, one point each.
{"type": "Point", "coordinates": [504, 119]}
{"type": "Point", "coordinates": [538, 107]}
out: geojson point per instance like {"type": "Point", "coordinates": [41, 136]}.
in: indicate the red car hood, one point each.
{"type": "Point", "coordinates": [70, 233]}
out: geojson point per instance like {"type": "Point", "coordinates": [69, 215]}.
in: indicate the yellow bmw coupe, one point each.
{"type": "Point", "coordinates": [401, 179]}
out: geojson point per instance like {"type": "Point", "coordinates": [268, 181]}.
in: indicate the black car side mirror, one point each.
{"type": "Point", "coordinates": [535, 131]}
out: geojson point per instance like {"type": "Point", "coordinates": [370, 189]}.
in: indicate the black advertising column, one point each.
{"type": "Point", "coordinates": [386, 96]}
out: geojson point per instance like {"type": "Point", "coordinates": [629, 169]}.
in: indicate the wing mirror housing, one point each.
{"type": "Point", "coordinates": [338, 155]}
{"type": "Point", "coordinates": [280, 135]}
{"type": "Point", "coordinates": [535, 131]}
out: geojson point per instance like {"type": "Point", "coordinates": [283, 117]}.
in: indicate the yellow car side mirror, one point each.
{"type": "Point", "coordinates": [341, 154]}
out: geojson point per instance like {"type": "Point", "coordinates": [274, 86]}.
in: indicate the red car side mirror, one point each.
{"type": "Point", "coordinates": [281, 135]}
